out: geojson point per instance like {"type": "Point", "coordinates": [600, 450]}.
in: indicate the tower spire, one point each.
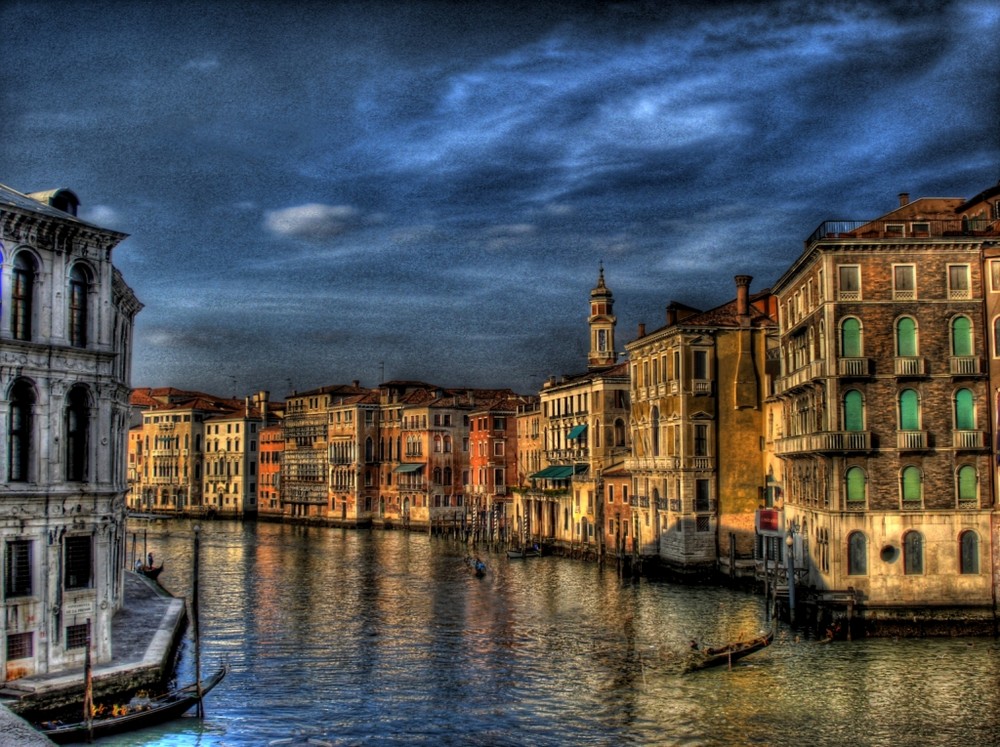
{"type": "Point", "coordinates": [602, 324]}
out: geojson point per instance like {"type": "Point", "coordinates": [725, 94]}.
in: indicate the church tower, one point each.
{"type": "Point", "coordinates": [602, 326]}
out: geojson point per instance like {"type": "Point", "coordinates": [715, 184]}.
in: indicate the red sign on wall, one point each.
{"type": "Point", "coordinates": [770, 522]}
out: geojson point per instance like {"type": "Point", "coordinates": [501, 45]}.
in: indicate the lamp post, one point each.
{"type": "Point", "coordinates": [790, 559]}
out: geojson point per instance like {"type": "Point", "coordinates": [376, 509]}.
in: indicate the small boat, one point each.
{"type": "Point", "coordinates": [525, 552]}
{"type": "Point", "coordinates": [727, 654]}
{"type": "Point", "coordinates": [477, 565]}
{"type": "Point", "coordinates": [151, 571]}
{"type": "Point", "coordinates": [138, 714]}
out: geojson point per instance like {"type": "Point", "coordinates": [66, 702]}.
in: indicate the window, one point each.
{"type": "Point", "coordinates": [857, 554]}
{"type": "Point", "coordinates": [654, 430]}
{"type": "Point", "coordinates": [17, 569]}
{"type": "Point", "coordinates": [909, 410]}
{"type": "Point", "coordinates": [906, 337]}
{"type": "Point", "coordinates": [958, 282]}
{"type": "Point", "coordinates": [913, 553]}
{"type": "Point", "coordinates": [968, 482]}
{"type": "Point", "coordinates": [79, 562]}
{"type": "Point", "coordinates": [611, 493]}
{"type": "Point", "coordinates": [855, 481]}
{"type": "Point", "coordinates": [22, 295]}
{"type": "Point", "coordinates": [854, 411]}
{"type": "Point", "coordinates": [76, 636]}
{"type": "Point", "coordinates": [702, 491]}
{"type": "Point", "coordinates": [77, 428]}
{"type": "Point", "coordinates": [850, 282]}
{"type": "Point", "coordinates": [700, 365]}
{"type": "Point", "coordinates": [994, 270]}
{"type": "Point", "coordinates": [968, 546]}
{"type": "Point", "coordinates": [961, 336]}
{"type": "Point", "coordinates": [22, 400]}
{"type": "Point", "coordinates": [78, 286]}
{"type": "Point", "coordinates": [20, 646]}
{"type": "Point", "coordinates": [911, 484]}
{"type": "Point", "coordinates": [904, 282]}
{"type": "Point", "coordinates": [965, 410]}
{"type": "Point", "coordinates": [850, 338]}
{"type": "Point", "coordinates": [701, 440]}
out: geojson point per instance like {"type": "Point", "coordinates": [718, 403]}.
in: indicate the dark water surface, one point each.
{"type": "Point", "coordinates": [351, 637]}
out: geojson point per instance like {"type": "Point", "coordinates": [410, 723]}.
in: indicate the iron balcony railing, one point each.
{"type": "Point", "coordinates": [909, 228]}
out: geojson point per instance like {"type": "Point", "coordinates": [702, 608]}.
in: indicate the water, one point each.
{"type": "Point", "coordinates": [351, 637]}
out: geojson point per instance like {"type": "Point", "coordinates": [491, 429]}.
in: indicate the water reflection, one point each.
{"type": "Point", "coordinates": [356, 637]}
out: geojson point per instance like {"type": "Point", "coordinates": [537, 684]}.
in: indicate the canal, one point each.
{"type": "Point", "coordinates": [357, 637]}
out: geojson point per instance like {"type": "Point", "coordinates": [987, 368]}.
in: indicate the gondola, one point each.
{"type": "Point", "coordinates": [713, 657]}
{"type": "Point", "coordinates": [139, 714]}
{"type": "Point", "coordinates": [525, 552]}
{"type": "Point", "coordinates": [151, 571]}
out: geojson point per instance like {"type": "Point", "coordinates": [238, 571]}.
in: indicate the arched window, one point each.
{"type": "Point", "coordinates": [913, 553]}
{"type": "Point", "coordinates": [850, 338]}
{"type": "Point", "coordinates": [857, 554]}
{"type": "Point", "coordinates": [961, 336]}
{"type": "Point", "coordinates": [968, 547]}
{"type": "Point", "coordinates": [19, 445]}
{"type": "Point", "coordinates": [996, 337]}
{"type": "Point", "coordinates": [909, 410]}
{"type": "Point", "coordinates": [911, 482]}
{"type": "Point", "coordinates": [854, 411]}
{"type": "Point", "coordinates": [968, 482]}
{"type": "Point", "coordinates": [437, 476]}
{"type": "Point", "coordinates": [965, 410]}
{"type": "Point", "coordinates": [369, 450]}
{"type": "Point", "coordinates": [821, 351]}
{"type": "Point", "coordinates": [854, 479]}
{"type": "Point", "coordinates": [619, 432]}
{"type": "Point", "coordinates": [79, 283]}
{"type": "Point", "coordinates": [447, 475]}
{"type": "Point", "coordinates": [906, 337]}
{"type": "Point", "coordinates": [22, 295]}
{"type": "Point", "coordinates": [654, 427]}
{"type": "Point", "coordinates": [77, 434]}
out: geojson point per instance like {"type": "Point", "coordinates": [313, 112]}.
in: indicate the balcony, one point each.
{"type": "Point", "coordinates": [825, 442]}
{"type": "Point", "coordinates": [809, 372]}
{"type": "Point", "coordinates": [965, 365]}
{"type": "Point", "coordinates": [701, 386]}
{"type": "Point", "coordinates": [901, 229]}
{"type": "Point", "coordinates": [857, 367]}
{"type": "Point", "coordinates": [911, 440]}
{"type": "Point", "coordinates": [969, 439]}
{"type": "Point", "coordinates": [911, 365]}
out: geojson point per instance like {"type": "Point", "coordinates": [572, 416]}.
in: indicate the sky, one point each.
{"type": "Point", "coordinates": [322, 192]}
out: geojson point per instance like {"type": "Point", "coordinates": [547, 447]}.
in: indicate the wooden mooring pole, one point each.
{"type": "Point", "coordinates": [194, 617]}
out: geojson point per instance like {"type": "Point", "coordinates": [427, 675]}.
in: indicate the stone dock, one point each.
{"type": "Point", "coordinates": [145, 634]}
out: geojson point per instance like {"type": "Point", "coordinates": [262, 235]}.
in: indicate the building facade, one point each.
{"type": "Point", "coordinates": [65, 344]}
{"type": "Point", "coordinates": [887, 409]}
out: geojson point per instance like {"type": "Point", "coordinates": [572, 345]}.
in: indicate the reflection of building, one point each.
{"type": "Point", "coordinates": [886, 406]}
{"type": "Point", "coordinates": [698, 392]}
{"type": "Point", "coordinates": [584, 433]}
{"type": "Point", "coordinates": [66, 319]}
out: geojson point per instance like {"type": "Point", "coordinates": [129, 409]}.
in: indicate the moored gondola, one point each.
{"type": "Point", "coordinates": [727, 654]}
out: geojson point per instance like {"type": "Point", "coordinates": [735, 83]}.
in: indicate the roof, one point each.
{"type": "Point", "coordinates": [37, 202]}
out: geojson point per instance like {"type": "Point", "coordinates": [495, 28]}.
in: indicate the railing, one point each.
{"type": "Point", "coordinates": [912, 505]}
{"type": "Point", "coordinates": [811, 371]}
{"type": "Point", "coordinates": [901, 229]}
{"type": "Point", "coordinates": [910, 366]}
{"type": "Point", "coordinates": [965, 365]}
{"type": "Point", "coordinates": [701, 386]}
{"type": "Point", "coordinates": [854, 366]}
{"type": "Point", "coordinates": [831, 441]}
{"type": "Point", "coordinates": [969, 439]}
{"type": "Point", "coordinates": [911, 440]}
{"type": "Point", "coordinates": [675, 505]}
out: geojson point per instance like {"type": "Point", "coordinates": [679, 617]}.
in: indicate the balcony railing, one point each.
{"type": "Point", "coordinates": [911, 440]}
{"type": "Point", "coordinates": [910, 365]}
{"type": "Point", "coordinates": [902, 229]}
{"type": "Point", "coordinates": [854, 366]}
{"type": "Point", "coordinates": [810, 372]}
{"type": "Point", "coordinates": [832, 441]}
{"type": "Point", "coordinates": [965, 365]}
{"type": "Point", "coordinates": [969, 439]}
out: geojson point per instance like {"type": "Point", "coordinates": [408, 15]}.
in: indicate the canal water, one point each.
{"type": "Point", "coordinates": [357, 637]}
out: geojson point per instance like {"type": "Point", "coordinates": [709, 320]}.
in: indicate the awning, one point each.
{"type": "Point", "coordinates": [409, 468]}
{"type": "Point", "coordinates": [554, 473]}
{"type": "Point", "coordinates": [577, 431]}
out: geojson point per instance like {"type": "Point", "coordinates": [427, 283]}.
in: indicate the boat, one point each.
{"type": "Point", "coordinates": [727, 654]}
{"type": "Point", "coordinates": [151, 571]}
{"type": "Point", "coordinates": [138, 714]}
{"type": "Point", "coordinates": [477, 565]}
{"type": "Point", "coordinates": [525, 552]}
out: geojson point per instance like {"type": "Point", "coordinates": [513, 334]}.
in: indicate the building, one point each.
{"type": "Point", "coordinates": [232, 459]}
{"type": "Point", "coordinates": [698, 390]}
{"type": "Point", "coordinates": [493, 468]}
{"type": "Point", "coordinates": [584, 422]}
{"type": "Point", "coordinates": [887, 410]}
{"type": "Point", "coordinates": [272, 446]}
{"type": "Point", "coordinates": [66, 342]}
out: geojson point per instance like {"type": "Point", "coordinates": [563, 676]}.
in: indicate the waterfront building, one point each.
{"type": "Point", "coordinates": [66, 344]}
{"type": "Point", "coordinates": [272, 446]}
{"type": "Point", "coordinates": [493, 467]}
{"type": "Point", "coordinates": [698, 387]}
{"type": "Point", "coordinates": [886, 409]}
{"type": "Point", "coordinates": [584, 421]}
{"type": "Point", "coordinates": [232, 459]}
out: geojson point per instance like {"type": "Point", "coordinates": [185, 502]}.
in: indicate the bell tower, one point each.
{"type": "Point", "coordinates": [602, 325]}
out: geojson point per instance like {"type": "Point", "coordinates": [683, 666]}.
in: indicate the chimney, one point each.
{"type": "Point", "coordinates": [904, 198]}
{"type": "Point", "coordinates": [743, 295]}
{"type": "Point", "coordinates": [356, 384]}
{"type": "Point", "coordinates": [671, 315]}
{"type": "Point", "coordinates": [642, 329]}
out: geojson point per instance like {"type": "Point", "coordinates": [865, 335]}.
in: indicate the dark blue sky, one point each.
{"type": "Point", "coordinates": [320, 192]}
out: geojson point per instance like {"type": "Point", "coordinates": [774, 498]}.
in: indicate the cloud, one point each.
{"type": "Point", "coordinates": [101, 215]}
{"type": "Point", "coordinates": [312, 221]}
{"type": "Point", "coordinates": [202, 64]}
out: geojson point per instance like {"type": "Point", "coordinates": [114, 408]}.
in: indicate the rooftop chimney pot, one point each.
{"type": "Point", "coordinates": [904, 198]}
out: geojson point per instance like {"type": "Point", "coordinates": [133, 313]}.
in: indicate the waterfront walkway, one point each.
{"type": "Point", "coordinates": [144, 634]}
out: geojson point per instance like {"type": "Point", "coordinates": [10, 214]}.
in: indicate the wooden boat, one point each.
{"type": "Point", "coordinates": [151, 571]}
{"type": "Point", "coordinates": [138, 714]}
{"type": "Point", "coordinates": [478, 566]}
{"type": "Point", "coordinates": [525, 552]}
{"type": "Point", "coordinates": [713, 657]}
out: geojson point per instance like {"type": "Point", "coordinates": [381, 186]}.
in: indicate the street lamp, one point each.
{"type": "Point", "coordinates": [790, 559]}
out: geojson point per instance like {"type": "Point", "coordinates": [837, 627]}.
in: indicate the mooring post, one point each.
{"type": "Point", "coordinates": [194, 617]}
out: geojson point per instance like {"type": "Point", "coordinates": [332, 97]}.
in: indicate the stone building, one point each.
{"type": "Point", "coordinates": [232, 459]}
{"type": "Point", "coordinates": [886, 410]}
{"type": "Point", "coordinates": [493, 467]}
{"type": "Point", "coordinates": [272, 446]}
{"type": "Point", "coordinates": [65, 367]}
{"type": "Point", "coordinates": [698, 387]}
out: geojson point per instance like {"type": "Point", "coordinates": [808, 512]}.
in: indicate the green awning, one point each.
{"type": "Point", "coordinates": [554, 473]}
{"type": "Point", "coordinates": [409, 468]}
{"type": "Point", "coordinates": [577, 431]}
